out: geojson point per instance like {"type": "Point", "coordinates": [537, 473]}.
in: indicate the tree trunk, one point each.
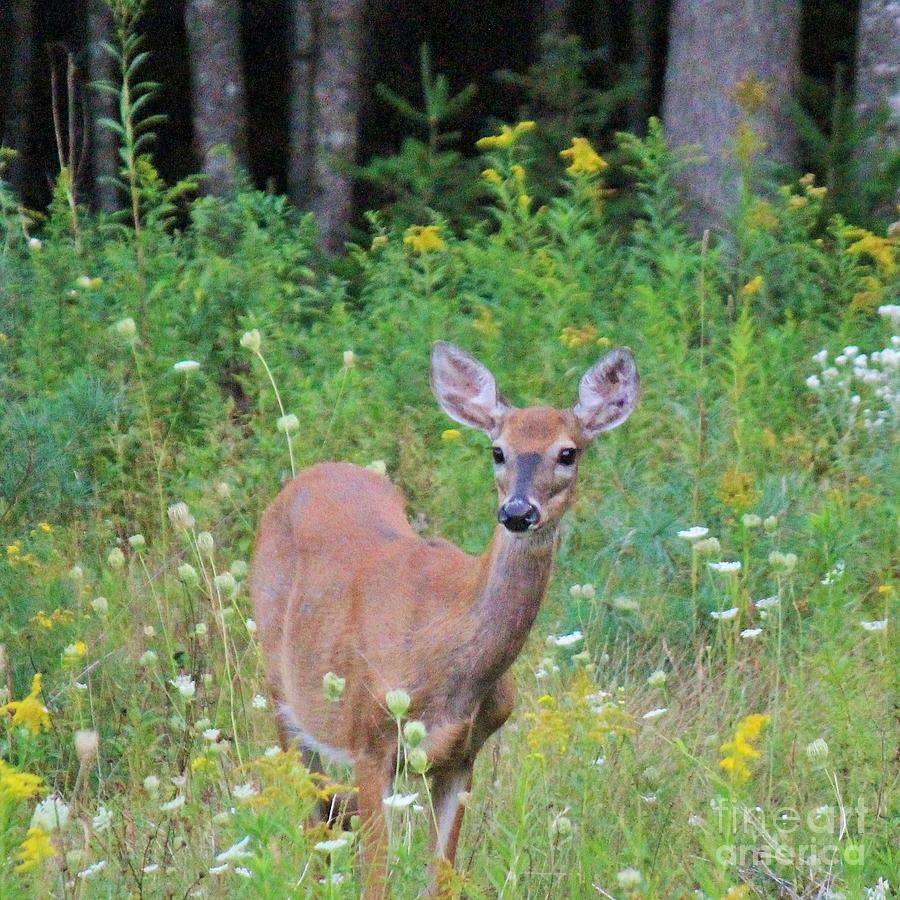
{"type": "Point", "coordinates": [337, 102]}
{"type": "Point", "coordinates": [301, 103]}
{"type": "Point", "coordinates": [713, 45]}
{"type": "Point", "coordinates": [554, 17]}
{"type": "Point", "coordinates": [17, 126]}
{"type": "Point", "coordinates": [643, 32]}
{"type": "Point", "coordinates": [104, 147]}
{"type": "Point", "coordinates": [878, 71]}
{"type": "Point", "coordinates": [213, 30]}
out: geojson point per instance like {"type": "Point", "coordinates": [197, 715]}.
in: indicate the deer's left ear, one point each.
{"type": "Point", "coordinates": [608, 392]}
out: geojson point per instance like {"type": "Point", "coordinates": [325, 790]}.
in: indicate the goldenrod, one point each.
{"type": "Point", "coordinates": [740, 749]}
{"type": "Point", "coordinates": [424, 239]}
{"type": "Point", "coordinates": [29, 712]}
{"type": "Point", "coordinates": [583, 158]}
{"type": "Point", "coordinates": [36, 847]}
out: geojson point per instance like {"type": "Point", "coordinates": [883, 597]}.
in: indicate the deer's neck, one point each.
{"type": "Point", "coordinates": [514, 575]}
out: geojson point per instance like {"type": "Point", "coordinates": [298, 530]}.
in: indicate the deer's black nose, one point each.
{"type": "Point", "coordinates": [518, 514]}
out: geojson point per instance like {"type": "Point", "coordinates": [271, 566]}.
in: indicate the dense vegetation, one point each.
{"type": "Point", "coordinates": [699, 710]}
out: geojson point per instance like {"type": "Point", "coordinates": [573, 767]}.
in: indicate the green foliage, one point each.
{"type": "Point", "coordinates": [429, 173]}
{"type": "Point", "coordinates": [102, 432]}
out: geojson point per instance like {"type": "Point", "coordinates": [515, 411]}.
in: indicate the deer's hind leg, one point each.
{"type": "Point", "coordinates": [373, 781]}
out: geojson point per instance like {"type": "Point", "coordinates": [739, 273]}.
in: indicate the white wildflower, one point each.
{"type": "Point", "coordinates": [813, 382]}
{"type": "Point", "coordinates": [694, 533]}
{"type": "Point", "coordinates": [101, 820]}
{"type": "Point", "coordinates": [333, 844]}
{"type": "Point", "coordinates": [734, 566]}
{"type": "Point", "coordinates": [92, 870]}
{"type": "Point", "coordinates": [243, 871]}
{"type": "Point", "coordinates": [725, 614]}
{"type": "Point", "coordinates": [259, 702]}
{"type": "Point", "coordinates": [655, 713]}
{"type": "Point", "coordinates": [400, 801]}
{"type": "Point", "coordinates": [51, 814]}
{"type": "Point", "coordinates": [186, 365]}
{"type": "Point", "coordinates": [149, 870]}
{"type": "Point", "coordinates": [378, 466]}
{"type": "Point", "coordinates": [657, 678]}
{"type": "Point", "coordinates": [821, 357]}
{"type": "Point", "coordinates": [251, 626]}
{"type": "Point", "coordinates": [211, 734]}
{"type": "Point", "coordinates": [185, 686]}
{"type": "Point", "coordinates": [180, 516]}
{"type": "Point", "coordinates": [767, 602]}
{"type": "Point", "coordinates": [751, 633]}
{"type": "Point", "coordinates": [236, 851]}
{"type": "Point", "coordinates": [877, 625]}
{"type": "Point", "coordinates": [565, 640]}
{"type": "Point", "coordinates": [629, 878]}
{"type": "Point", "coordinates": [251, 340]}
{"type": "Point", "coordinates": [218, 870]}
{"type": "Point", "coordinates": [174, 804]}
{"type": "Point", "coordinates": [244, 791]}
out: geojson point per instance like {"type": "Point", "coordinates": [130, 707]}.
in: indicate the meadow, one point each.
{"type": "Point", "coordinates": [705, 703]}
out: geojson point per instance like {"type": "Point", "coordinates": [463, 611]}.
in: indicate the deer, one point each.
{"type": "Point", "coordinates": [341, 583]}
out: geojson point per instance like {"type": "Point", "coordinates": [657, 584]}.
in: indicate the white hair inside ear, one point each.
{"type": "Point", "coordinates": [465, 389]}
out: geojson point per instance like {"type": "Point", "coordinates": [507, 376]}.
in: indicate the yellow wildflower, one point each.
{"type": "Point", "coordinates": [518, 172]}
{"type": "Point", "coordinates": [57, 617]}
{"type": "Point", "coordinates": [736, 489]}
{"type": "Point", "coordinates": [36, 847]}
{"type": "Point", "coordinates": [752, 286]}
{"type": "Point", "coordinates": [75, 651]}
{"type": "Point", "coordinates": [16, 785]}
{"type": "Point", "coordinates": [751, 93]}
{"type": "Point", "coordinates": [741, 892]}
{"type": "Point", "coordinates": [736, 752]}
{"type": "Point", "coordinates": [523, 127]}
{"type": "Point", "coordinates": [14, 549]}
{"type": "Point", "coordinates": [747, 143]}
{"type": "Point", "coordinates": [451, 434]}
{"type": "Point", "coordinates": [882, 249]}
{"type": "Point", "coordinates": [424, 239]}
{"type": "Point", "coordinates": [492, 175]}
{"type": "Point", "coordinates": [485, 323]}
{"type": "Point", "coordinates": [4, 339]}
{"type": "Point", "coordinates": [870, 296]}
{"type": "Point", "coordinates": [380, 240]}
{"type": "Point", "coordinates": [762, 216]}
{"type": "Point", "coordinates": [808, 180]}
{"type": "Point", "coordinates": [583, 158]}
{"type": "Point", "coordinates": [817, 193]}
{"type": "Point", "coordinates": [797, 201]}
{"type": "Point", "coordinates": [30, 711]}
{"type": "Point", "coordinates": [885, 589]}
{"type": "Point", "coordinates": [46, 527]}
{"type": "Point", "coordinates": [497, 141]}
{"type": "Point", "coordinates": [575, 337]}
{"type": "Point", "coordinates": [524, 202]}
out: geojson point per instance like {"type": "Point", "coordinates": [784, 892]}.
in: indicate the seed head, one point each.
{"type": "Point", "coordinates": [414, 732]}
{"type": "Point", "coordinates": [418, 760]}
{"type": "Point", "coordinates": [86, 745]}
{"type": "Point", "coordinates": [251, 340]}
{"type": "Point", "coordinates": [180, 516]}
{"type": "Point", "coordinates": [333, 686]}
{"type": "Point", "coordinates": [397, 702]}
{"type": "Point", "coordinates": [206, 542]}
{"type": "Point", "coordinates": [817, 750]}
{"type": "Point", "coordinates": [288, 423]}
{"type": "Point", "coordinates": [137, 542]}
{"type": "Point", "coordinates": [115, 559]}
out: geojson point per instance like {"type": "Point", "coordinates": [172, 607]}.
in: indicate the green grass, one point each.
{"type": "Point", "coordinates": [101, 436]}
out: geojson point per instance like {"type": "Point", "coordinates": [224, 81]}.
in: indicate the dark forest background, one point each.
{"type": "Point", "coordinates": [827, 71]}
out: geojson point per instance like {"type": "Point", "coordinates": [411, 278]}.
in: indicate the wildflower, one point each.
{"type": "Point", "coordinates": [333, 686]}
{"type": "Point", "coordinates": [74, 651]}
{"type": "Point", "coordinates": [180, 516]}
{"type": "Point", "coordinates": [565, 640]}
{"type": "Point", "coordinates": [211, 734]}
{"type": "Point", "coordinates": [629, 878]}
{"type": "Point", "coordinates": [51, 814]}
{"type": "Point", "coordinates": [424, 239]}
{"type": "Point", "coordinates": [414, 732]}
{"type": "Point", "coordinates": [877, 625]}
{"type": "Point", "coordinates": [126, 330]}
{"type": "Point", "coordinates": [882, 250]}
{"type": "Point", "coordinates": [751, 633]}
{"type": "Point", "coordinates": [87, 743]}
{"type": "Point", "coordinates": [235, 851]}
{"type": "Point", "coordinates": [149, 631]}
{"type": "Point", "coordinates": [147, 658]}
{"type": "Point", "coordinates": [813, 382]}
{"type": "Point", "coordinates": [251, 340]}
{"type": "Point", "coordinates": [185, 686]}
{"type": "Point", "coordinates": [418, 760]}
{"type": "Point", "coordinates": [379, 241]}
{"type": "Point", "coordinates": [378, 466]}
{"type": "Point", "coordinates": [244, 791]}
{"type": "Point", "coordinates": [726, 567]}
{"type": "Point", "coordinates": [35, 243]}
{"type": "Point", "coordinates": [626, 604]}
{"type": "Point", "coordinates": [102, 820]}
{"type": "Point", "coordinates": [334, 844]}
{"type": "Point", "coordinates": [890, 311]}
{"type": "Point", "coordinates": [834, 573]}
{"type": "Point", "coordinates": [349, 358]}
{"type": "Point", "coordinates": [740, 749]}
{"type": "Point", "coordinates": [92, 870]}
{"type": "Point", "coordinates": [492, 176]}
{"type": "Point", "coordinates": [239, 568]}
{"type": "Point", "coordinates": [450, 434]}
{"type": "Point", "coordinates": [206, 542]}
{"type": "Point", "coordinates": [243, 871]}
{"type": "Point", "coordinates": [149, 870]}
{"type": "Point", "coordinates": [583, 159]}
{"type": "Point", "coordinates": [817, 750]}
{"type": "Point", "coordinates": [186, 365]}
{"type": "Point", "coordinates": [188, 574]}
{"type": "Point", "coordinates": [397, 702]}
{"type": "Point", "coordinates": [751, 520]}
{"type": "Point", "coordinates": [881, 891]}
{"type": "Point", "coordinates": [227, 585]}
{"type": "Point", "coordinates": [694, 533]}
{"type": "Point", "coordinates": [115, 559]}
{"type": "Point", "coordinates": [259, 702]}
{"type": "Point", "coordinates": [770, 523]}
{"type": "Point", "coordinates": [200, 629]}
{"type": "Point", "coordinates": [784, 561]}
{"type": "Point", "coordinates": [174, 804]}
{"type": "Point", "coordinates": [657, 679]}
{"type": "Point", "coordinates": [151, 785]}
{"type": "Point", "coordinates": [560, 827]}
{"type": "Point", "coordinates": [707, 547]}
{"type": "Point", "coordinates": [29, 712]}
{"type": "Point", "coordinates": [36, 847]}
{"type": "Point", "coordinates": [655, 713]}
{"type": "Point", "coordinates": [250, 625]}
{"type": "Point", "coordinates": [76, 573]}
{"type": "Point", "coordinates": [725, 614]}
{"type": "Point", "coordinates": [400, 801]}
{"type": "Point", "coordinates": [16, 785]}
{"type": "Point", "coordinates": [137, 542]}
{"type": "Point", "coordinates": [288, 423]}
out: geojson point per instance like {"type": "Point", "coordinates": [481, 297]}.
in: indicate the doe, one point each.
{"type": "Point", "coordinates": [341, 583]}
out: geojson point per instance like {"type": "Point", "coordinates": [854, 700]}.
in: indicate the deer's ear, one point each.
{"type": "Point", "coordinates": [608, 392]}
{"type": "Point", "coordinates": [465, 389]}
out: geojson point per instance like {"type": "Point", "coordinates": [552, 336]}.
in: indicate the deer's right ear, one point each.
{"type": "Point", "coordinates": [465, 389]}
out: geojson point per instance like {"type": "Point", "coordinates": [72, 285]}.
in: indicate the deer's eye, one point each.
{"type": "Point", "coordinates": [567, 456]}
{"type": "Point", "coordinates": [499, 458]}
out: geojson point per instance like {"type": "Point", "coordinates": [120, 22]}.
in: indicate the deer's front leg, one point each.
{"type": "Point", "coordinates": [448, 814]}
{"type": "Point", "coordinates": [372, 782]}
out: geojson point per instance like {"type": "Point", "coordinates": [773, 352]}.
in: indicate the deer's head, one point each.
{"type": "Point", "coordinates": [536, 450]}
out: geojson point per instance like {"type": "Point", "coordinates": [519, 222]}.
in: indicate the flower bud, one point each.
{"type": "Point", "coordinates": [251, 340]}
{"type": "Point", "coordinates": [239, 568]}
{"type": "Point", "coordinates": [126, 330]}
{"type": "Point", "coordinates": [414, 732]}
{"type": "Point", "coordinates": [561, 828]}
{"type": "Point", "coordinates": [817, 750]}
{"type": "Point", "coordinates": [707, 547]}
{"type": "Point", "coordinates": [86, 745]}
{"type": "Point", "coordinates": [770, 523]}
{"type": "Point", "coordinates": [349, 358]}
{"type": "Point", "coordinates": [137, 542]}
{"type": "Point", "coordinates": [115, 559]}
{"type": "Point", "coordinates": [206, 542]}
{"type": "Point", "coordinates": [180, 516]}
{"type": "Point", "coordinates": [100, 605]}
{"type": "Point", "coordinates": [288, 423]}
{"type": "Point", "coordinates": [417, 759]}
{"type": "Point", "coordinates": [148, 658]}
{"type": "Point", "coordinates": [226, 584]}
{"type": "Point", "coordinates": [397, 702]}
{"type": "Point", "coordinates": [657, 679]}
{"type": "Point", "coordinates": [200, 629]}
{"type": "Point", "coordinates": [333, 686]}
{"type": "Point", "coordinates": [751, 520]}
{"type": "Point", "coordinates": [188, 574]}
{"type": "Point", "coordinates": [76, 573]}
